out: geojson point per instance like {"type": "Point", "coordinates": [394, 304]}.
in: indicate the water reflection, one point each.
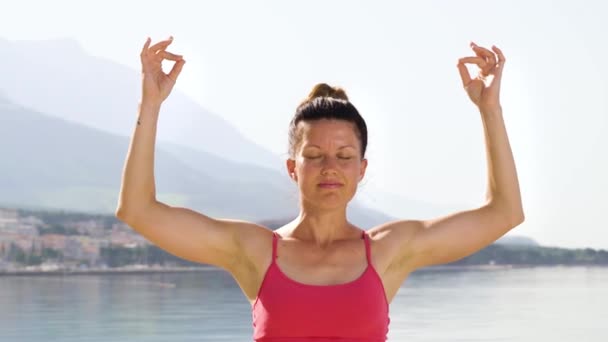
{"type": "Point", "coordinates": [556, 304]}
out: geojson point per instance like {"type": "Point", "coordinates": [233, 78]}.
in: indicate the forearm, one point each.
{"type": "Point", "coordinates": [138, 188]}
{"type": "Point", "coordinates": [503, 191]}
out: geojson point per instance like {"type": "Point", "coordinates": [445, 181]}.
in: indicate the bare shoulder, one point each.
{"type": "Point", "coordinates": [255, 242]}
{"type": "Point", "coordinates": [253, 258]}
{"type": "Point", "coordinates": [391, 242]}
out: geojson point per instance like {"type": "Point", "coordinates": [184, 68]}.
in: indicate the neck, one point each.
{"type": "Point", "coordinates": [322, 226]}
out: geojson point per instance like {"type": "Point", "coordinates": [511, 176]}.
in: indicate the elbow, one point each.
{"type": "Point", "coordinates": [519, 219]}
{"type": "Point", "coordinates": [516, 217]}
{"type": "Point", "coordinates": [512, 216]}
{"type": "Point", "coordinates": [122, 214]}
{"type": "Point", "coordinates": [132, 213]}
{"type": "Point", "coordinates": [125, 214]}
{"type": "Point", "coordinates": [127, 210]}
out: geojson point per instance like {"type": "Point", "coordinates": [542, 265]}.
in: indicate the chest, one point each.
{"type": "Point", "coordinates": [307, 264]}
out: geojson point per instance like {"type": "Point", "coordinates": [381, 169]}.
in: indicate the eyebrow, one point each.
{"type": "Point", "coordinates": [339, 148]}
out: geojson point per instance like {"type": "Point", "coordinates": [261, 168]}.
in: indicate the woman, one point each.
{"type": "Point", "coordinates": [320, 276]}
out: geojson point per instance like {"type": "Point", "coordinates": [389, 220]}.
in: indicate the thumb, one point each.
{"type": "Point", "coordinates": [474, 89]}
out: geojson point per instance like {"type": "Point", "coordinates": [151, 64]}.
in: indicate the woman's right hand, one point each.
{"type": "Point", "coordinates": [156, 84]}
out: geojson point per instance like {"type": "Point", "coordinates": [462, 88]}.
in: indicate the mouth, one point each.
{"type": "Point", "coordinates": [330, 185]}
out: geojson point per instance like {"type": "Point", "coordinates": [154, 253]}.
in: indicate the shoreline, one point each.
{"type": "Point", "coordinates": [106, 271]}
{"type": "Point", "coordinates": [204, 268]}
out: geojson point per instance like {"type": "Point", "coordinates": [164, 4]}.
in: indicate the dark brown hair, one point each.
{"type": "Point", "coordinates": [326, 102]}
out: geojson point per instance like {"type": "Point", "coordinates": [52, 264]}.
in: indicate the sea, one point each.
{"type": "Point", "coordinates": [568, 304]}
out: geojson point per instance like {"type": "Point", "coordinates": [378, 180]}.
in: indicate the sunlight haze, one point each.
{"type": "Point", "coordinates": [252, 62]}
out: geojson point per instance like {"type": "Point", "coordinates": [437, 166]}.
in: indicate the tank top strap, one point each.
{"type": "Point", "coordinates": [368, 252]}
{"type": "Point", "coordinates": [275, 237]}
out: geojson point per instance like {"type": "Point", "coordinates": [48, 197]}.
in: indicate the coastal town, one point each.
{"type": "Point", "coordinates": [40, 241]}
{"type": "Point", "coordinates": [60, 242]}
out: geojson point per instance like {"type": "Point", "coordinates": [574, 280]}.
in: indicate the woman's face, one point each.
{"type": "Point", "coordinates": [327, 164]}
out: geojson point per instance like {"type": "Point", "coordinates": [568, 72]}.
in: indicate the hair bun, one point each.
{"type": "Point", "coordinates": [325, 90]}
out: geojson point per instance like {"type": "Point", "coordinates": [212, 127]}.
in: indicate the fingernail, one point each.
{"type": "Point", "coordinates": [170, 37]}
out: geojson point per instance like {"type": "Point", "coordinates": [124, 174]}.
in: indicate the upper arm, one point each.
{"type": "Point", "coordinates": [192, 236]}
{"type": "Point", "coordinates": [449, 238]}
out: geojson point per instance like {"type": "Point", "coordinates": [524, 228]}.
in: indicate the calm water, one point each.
{"type": "Point", "coordinates": [533, 304]}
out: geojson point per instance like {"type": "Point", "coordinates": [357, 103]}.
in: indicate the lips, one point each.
{"type": "Point", "coordinates": [330, 185]}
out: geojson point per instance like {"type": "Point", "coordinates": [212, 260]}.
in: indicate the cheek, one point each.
{"type": "Point", "coordinates": [353, 174]}
{"type": "Point", "coordinates": [306, 165]}
{"type": "Point", "coordinates": [307, 169]}
{"type": "Point", "coordinates": [352, 167]}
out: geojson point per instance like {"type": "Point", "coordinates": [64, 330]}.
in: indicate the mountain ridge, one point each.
{"type": "Point", "coordinates": [104, 94]}
{"type": "Point", "coordinates": [57, 164]}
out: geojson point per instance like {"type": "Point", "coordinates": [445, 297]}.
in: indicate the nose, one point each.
{"type": "Point", "coordinates": [329, 166]}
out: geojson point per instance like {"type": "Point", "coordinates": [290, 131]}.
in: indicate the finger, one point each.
{"type": "Point", "coordinates": [479, 61]}
{"type": "Point", "coordinates": [501, 60]}
{"type": "Point", "coordinates": [487, 55]}
{"type": "Point", "coordinates": [170, 56]}
{"type": "Point", "coordinates": [501, 57]}
{"type": "Point", "coordinates": [161, 45]}
{"type": "Point", "coordinates": [146, 45]}
{"type": "Point", "coordinates": [464, 74]}
{"type": "Point", "coordinates": [483, 52]}
{"type": "Point", "coordinates": [176, 70]}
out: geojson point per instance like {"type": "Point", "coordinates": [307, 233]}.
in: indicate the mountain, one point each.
{"type": "Point", "coordinates": [49, 162]}
{"type": "Point", "coordinates": [58, 77]}
{"type": "Point", "coordinates": [404, 207]}
{"type": "Point", "coordinates": [71, 156]}
{"type": "Point", "coordinates": [517, 240]}
{"type": "Point", "coordinates": [53, 163]}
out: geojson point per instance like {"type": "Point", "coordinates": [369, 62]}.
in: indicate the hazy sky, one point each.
{"type": "Point", "coordinates": [252, 61]}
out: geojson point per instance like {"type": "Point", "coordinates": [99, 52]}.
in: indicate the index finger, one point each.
{"type": "Point", "coordinates": [163, 44]}
{"type": "Point", "coordinates": [483, 52]}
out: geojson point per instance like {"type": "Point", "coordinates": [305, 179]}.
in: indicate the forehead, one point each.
{"type": "Point", "coordinates": [320, 131]}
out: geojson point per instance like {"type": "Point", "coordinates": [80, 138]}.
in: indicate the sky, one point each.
{"type": "Point", "coordinates": [251, 62]}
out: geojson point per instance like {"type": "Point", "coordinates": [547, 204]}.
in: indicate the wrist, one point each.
{"type": "Point", "coordinates": [493, 111]}
{"type": "Point", "coordinates": [148, 112]}
{"type": "Point", "coordinates": [149, 106]}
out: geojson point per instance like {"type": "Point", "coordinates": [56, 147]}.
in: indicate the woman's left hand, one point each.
{"type": "Point", "coordinates": [483, 89]}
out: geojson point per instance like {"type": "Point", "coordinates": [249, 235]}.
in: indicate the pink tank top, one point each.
{"type": "Point", "coordinates": [287, 311]}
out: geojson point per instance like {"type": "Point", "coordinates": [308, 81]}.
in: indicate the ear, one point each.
{"type": "Point", "coordinates": [291, 169]}
{"type": "Point", "coordinates": [363, 168]}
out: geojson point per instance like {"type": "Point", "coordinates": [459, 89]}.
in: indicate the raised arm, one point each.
{"type": "Point", "coordinates": [447, 239]}
{"type": "Point", "coordinates": [180, 231]}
